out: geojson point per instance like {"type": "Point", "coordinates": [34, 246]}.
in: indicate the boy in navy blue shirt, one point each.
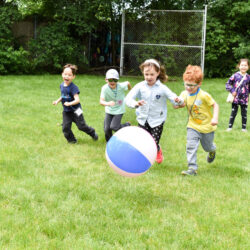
{"type": "Point", "coordinates": [72, 110]}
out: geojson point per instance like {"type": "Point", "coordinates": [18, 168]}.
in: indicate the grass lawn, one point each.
{"type": "Point", "coordinates": [54, 195]}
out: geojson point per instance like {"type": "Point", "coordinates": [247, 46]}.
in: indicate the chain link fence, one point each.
{"type": "Point", "coordinates": [175, 38]}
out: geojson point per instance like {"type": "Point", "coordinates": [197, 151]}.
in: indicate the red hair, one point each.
{"type": "Point", "coordinates": [193, 73]}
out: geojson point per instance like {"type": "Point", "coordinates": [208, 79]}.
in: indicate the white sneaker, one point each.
{"type": "Point", "coordinates": [244, 130]}
{"type": "Point", "coordinates": [229, 129]}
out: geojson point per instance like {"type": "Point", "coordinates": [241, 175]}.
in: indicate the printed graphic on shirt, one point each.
{"type": "Point", "coordinates": [66, 96]}
{"type": "Point", "coordinates": [119, 102]}
{"type": "Point", "coordinates": [197, 116]}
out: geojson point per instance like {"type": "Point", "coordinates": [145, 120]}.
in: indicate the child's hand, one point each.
{"type": "Point", "coordinates": [67, 104]}
{"type": "Point", "coordinates": [178, 100]}
{"type": "Point", "coordinates": [234, 94]}
{"type": "Point", "coordinates": [55, 103]}
{"type": "Point", "coordinates": [141, 103]}
{"type": "Point", "coordinates": [111, 103]}
{"type": "Point", "coordinates": [214, 122]}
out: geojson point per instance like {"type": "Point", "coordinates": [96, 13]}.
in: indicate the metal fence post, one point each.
{"type": "Point", "coordinates": [122, 44]}
{"type": "Point", "coordinates": [204, 39]}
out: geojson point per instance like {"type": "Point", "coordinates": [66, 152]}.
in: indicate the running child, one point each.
{"type": "Point", "coordinates": [72, 110]}
{"type": "Point", "coordinates": [202, 122]}
{"type": "Point", "coordinates": [149, 98]}
{"type": "Point", "coordinates": [112, 97]}
{"type": "Point", "coordinates": [239, 85]}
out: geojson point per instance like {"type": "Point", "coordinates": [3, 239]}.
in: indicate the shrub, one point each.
{"type": "Point", "coordinates": [13, 58]}
{"type": "Point", "coordinates": [54, 47]}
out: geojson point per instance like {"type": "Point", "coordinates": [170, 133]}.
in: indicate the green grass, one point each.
{"type": "Point", "coordinates": [59, 196]}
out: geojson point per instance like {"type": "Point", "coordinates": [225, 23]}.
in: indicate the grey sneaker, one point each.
{"type": "Point", "coordinates": [211, 156]}
{"type": "Point", "coordinates": [190, 171]}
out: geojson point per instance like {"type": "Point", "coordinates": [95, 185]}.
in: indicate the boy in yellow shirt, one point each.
{"type": "Point", "coordinates": [202, 121]}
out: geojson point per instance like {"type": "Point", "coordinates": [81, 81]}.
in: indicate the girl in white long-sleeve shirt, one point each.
{"type": "Point", "coordinates": [149, 98]}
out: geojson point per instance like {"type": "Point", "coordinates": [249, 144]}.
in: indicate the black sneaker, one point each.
{"type": "Point", "coordinates": [128, 123]}
{"type": "Point", "coordinates": [211, 156]}
{"type": "Point", "coordinates": [190, 171]}
{"type": "Point", "coordinates": [95, 137]}
{"type": "Point", "coordinates": [72, 142]}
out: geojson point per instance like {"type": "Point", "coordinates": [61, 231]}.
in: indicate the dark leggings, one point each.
{"type": "Point", "coordinates": [234, 113]}
{"type": "Point", "coordinates": [155, 132]}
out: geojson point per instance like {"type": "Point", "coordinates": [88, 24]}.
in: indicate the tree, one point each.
{"type": "Point", "coordinates": [13, 58]}
{"type": "Point", "coordinates": [227, 36]}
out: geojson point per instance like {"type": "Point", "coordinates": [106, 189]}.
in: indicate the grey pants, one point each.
{"type": "Point", "coordinates": [193, 140]}
{"type": "Point", "coordinates": [112, 123]}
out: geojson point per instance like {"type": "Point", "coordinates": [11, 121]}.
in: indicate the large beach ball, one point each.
{"type": "Point", "coordinates": [131, 151]}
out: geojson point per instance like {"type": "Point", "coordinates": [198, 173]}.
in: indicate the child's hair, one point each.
{"type": "Point", "coordinates": [193, 73]}
{"type": "Point", "coordinates": [242, 60]}
{"type": "Point", "coordinates": [158, 68]}
{"type": "Point", "coordinates": [72, 67]}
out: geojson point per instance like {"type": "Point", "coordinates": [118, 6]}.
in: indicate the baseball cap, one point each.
{"type": "Point", "coordinates": [112, 74]}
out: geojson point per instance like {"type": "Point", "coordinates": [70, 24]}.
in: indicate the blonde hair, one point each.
{"type": "Point", "coordinates": [158, 68]}
{"type": "Point", "coordinates": [193, 73]}
{"type": "Point", "coordinates": [72, 67]}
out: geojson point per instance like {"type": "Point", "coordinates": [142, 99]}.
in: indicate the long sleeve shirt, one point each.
{"type": "Point", "coordinates": [242, 91]}
{"type": "Point", "coordinates": [154, 111]}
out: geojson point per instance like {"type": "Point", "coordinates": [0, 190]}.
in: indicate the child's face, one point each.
{"type": "Point", "coordinates": [68, 76]}
{"type": "Point", "coordinates": [243, 67]}
{"type": "Point", "coordinates": [112, 83]}
{"type": "Point", "coordinates": [191, 87]}
{"type": "Point", "coordinates": [150, 75]}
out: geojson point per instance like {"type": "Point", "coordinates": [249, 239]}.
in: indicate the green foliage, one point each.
{"type": "Point", "coordinates": [227, 36]}
{"type": "Point", "coordinates": [54, 47]}
{"type": "Point", "coordinates": [13, 59]}
{"type": "Point", "coordinates": [187, 31]}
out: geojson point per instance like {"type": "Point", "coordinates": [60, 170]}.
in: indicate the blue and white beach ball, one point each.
{"type": "Point", "coordinates": [131, 151]}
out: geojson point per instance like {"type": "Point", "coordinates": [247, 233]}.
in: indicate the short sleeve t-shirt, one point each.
{"type": "Point", "coordinates": [199, 108]}
{"type": "Point", "coordinates": [117, 95]}
{"type": "Point", "coordinates": [67, 94]}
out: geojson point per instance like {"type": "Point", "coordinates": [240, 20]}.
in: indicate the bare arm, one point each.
{"type": "Point", "coordinates": [57, 101]}
{"type": "Point", "coordinates": [76, 101]}
{"type": "Point", "coordinates": [104, 103]}
{"type": "Point", "coordinates": [215, 118]}
{"type": "Point", "coordinates": [129, 86]}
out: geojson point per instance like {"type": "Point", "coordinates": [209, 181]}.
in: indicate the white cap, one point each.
{"type": "Point", "coordinates": [112, 74]}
